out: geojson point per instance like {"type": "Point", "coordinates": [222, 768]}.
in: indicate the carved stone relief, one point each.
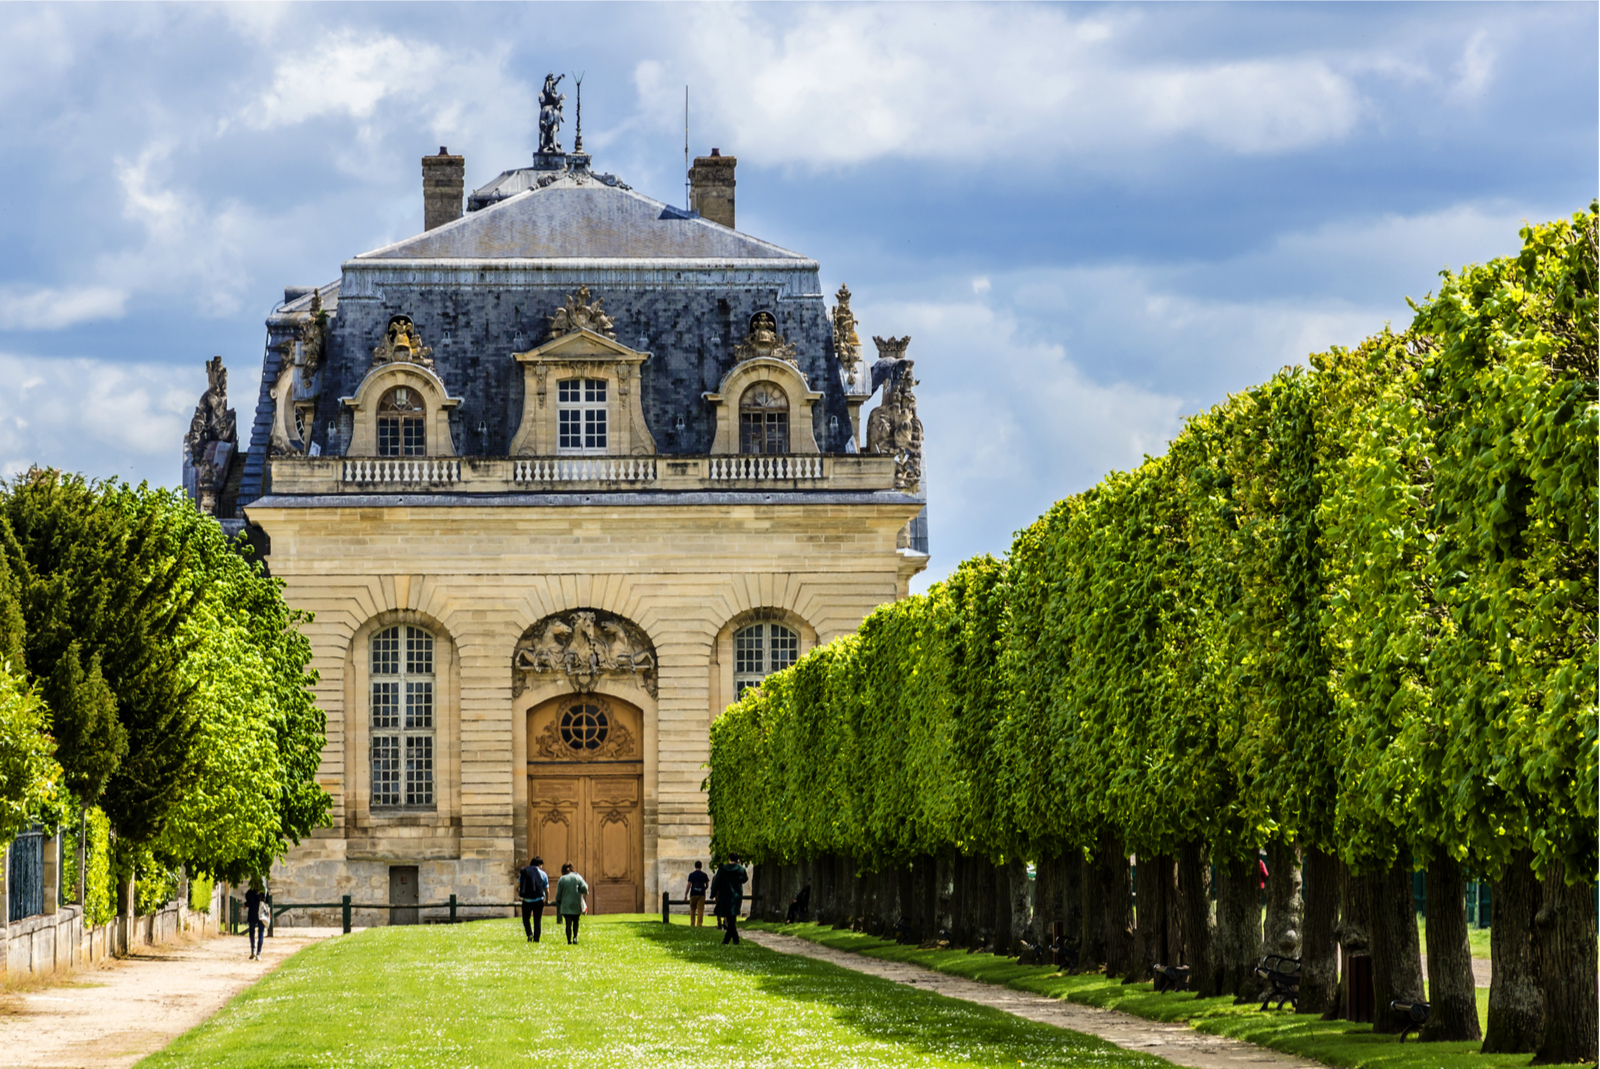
{"type": "Point", "coordinates": [580, 313]}
{"type": "Point", "coordinates": [893, 428]}
{"type": "Point", "coordinates": [586, 646]}
{"type": "Point", "coordinates": [401, 342]}
{"type": "Point", "coordinates": [764, 340]}
{"type": "Point", "coordinates": [294, 393]}
{"type": "Point", "coordinates": [846, 343]}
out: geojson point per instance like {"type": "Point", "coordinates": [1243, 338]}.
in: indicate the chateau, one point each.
{"type": "Point", "coordinates": [558, 477]}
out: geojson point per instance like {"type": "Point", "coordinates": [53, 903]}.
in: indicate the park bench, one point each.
{"type": "Point", "coordinates": [1171, 978]}
{"type": "Point", "coordinates": [1413, 1015]}
{"type": "Point", "coordinates": [1283, 978]}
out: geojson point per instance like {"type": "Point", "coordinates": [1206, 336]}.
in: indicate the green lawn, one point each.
{"type": "Point", "coordinates": [634, 994]}
{"type": "Point", "coordinates": [1337, 1043]}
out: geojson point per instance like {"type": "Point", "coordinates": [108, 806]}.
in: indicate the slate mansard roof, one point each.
{"type": "Point", "coordinates": [483, 287]}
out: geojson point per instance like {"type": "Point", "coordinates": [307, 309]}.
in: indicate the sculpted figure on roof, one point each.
{"type": "Point", "coordinates": [402, 342]}
{"type": "Point", "coordinates": [893, 428]}
{"type": "Point", "coordinates": [550, 114]}
{"type": "Point", "coordinates": [580, 314]}
{"type": "Point", "coordinates": [764, 340]}
{"type": "Point", "coordinates": [846, 343]}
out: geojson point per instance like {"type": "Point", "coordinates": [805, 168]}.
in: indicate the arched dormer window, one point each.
{"type": "Point", "coordinates": [402, 424]}
{"type": "Point", "coordinates": [764, 419]}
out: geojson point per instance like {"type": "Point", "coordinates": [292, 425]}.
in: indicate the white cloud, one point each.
{"type": "Point", "coordinates": [344, 73]}
{"type": "Point", "coordinates": [98, 417]}
{"type": "Point", "coordinates": [43, 308]}
{"type": "Point", "coordinates": [834, 85]}
{"type": "Point", "coordinates": [1475, 67]}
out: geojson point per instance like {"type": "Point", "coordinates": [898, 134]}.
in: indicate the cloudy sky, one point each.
{"type": "Point", "coordinates": [1092, 220]}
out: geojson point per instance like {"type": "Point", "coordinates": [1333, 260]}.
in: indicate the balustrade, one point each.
{"type": "Point", "coordinates": [758, 468]}
{"type": "Point", "coordinates": [389, 470]}
{"type": "Point", "coordinates": [584, 469]}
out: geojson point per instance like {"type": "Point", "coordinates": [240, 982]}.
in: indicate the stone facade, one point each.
{"type": "Point", "coordinates": [559, 584]}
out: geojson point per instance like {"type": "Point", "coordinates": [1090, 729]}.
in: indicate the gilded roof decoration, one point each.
{"type": "Point", "coordinates": [401, 342]}
{"type": "Point", "coordinates": [764, 340]}
{"type": "Point", "coordinates": [580, 314]}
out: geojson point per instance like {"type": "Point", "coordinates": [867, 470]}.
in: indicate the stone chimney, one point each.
{"type": "Point", "coordinates": [444, 179]}
{"type": "Point", "coordinates": [711, 187]}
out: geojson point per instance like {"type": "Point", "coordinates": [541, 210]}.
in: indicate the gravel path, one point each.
{"type": "Point", "coordinates": [1177, 1043]}
{"type": "Point", "coordinates": [115, 1015]}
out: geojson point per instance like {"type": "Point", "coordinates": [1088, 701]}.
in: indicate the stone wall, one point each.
{"type": "Point", "coordinates": [59, 942]}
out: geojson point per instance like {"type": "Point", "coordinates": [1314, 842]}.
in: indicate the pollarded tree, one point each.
{"type": "Point", "coordinates": [1516, 494]}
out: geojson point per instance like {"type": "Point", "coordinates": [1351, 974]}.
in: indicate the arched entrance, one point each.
{"type": "Point", "coordinates": [585, 795]}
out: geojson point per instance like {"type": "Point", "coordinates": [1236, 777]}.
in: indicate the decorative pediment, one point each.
{"type": "Point", "coordinates": [581, 353]}
{"type": "Point", "coordinates": [582, 344]}
{"type": "Point", "coordinates": [585, 646]}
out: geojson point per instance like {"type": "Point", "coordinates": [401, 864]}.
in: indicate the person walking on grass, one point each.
{"type": "Point", "coordinates": [533, 885]}
{"type": "Point", "coordinates": [727, 891]}
{"type": "Point", "coordinates": [257, 924]}
{"type": "Point", "coordinates": [696, 894]}
{"type": "Point", "coordinates": [571, 903]}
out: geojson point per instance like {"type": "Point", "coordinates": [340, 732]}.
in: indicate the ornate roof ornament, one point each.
{"type": "Point", "coordinates": [402, 342]}
{"type": "Point", "coordinates": [764, 340]}
{"type": "Point", "coordinates": [550, 115]}
{"type": "Point", "coordinates": [213, 438]}
{"type": "Point", "coordinates": [313, 335]}
{"type": "Point", "coordinates": [893, 428]}
{"type": "Point", "coordinates": [585, 646]}
{"type": "Point", "coordinates": [846, 344]}
{"type": "Point", "coordinates": [579, 314]}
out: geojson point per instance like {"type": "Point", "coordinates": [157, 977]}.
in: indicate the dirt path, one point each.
{"type": "Point", "coordinates": [113, 1016]}
{"type": "Point", "coordinates": [1177, 1043]}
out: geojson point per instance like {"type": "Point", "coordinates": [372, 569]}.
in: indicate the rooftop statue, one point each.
{"type": "Point", "coordinates": [550, 115]}
{"type": "Point", "coordinates": [402, 342]}
{"type": "Point", "coordinates": [580, 314]}
{"type": "Point", "coordinates": [764, 340]}
{"type": "Point", "coordinates": [209, 446]}
{"type": "Point", "coordinates": [846, 343]}
{"type": "Point", "coordinates": [893, 428]}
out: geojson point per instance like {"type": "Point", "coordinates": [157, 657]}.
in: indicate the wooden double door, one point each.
{"type": "Point", "coordinates": [585, 803]}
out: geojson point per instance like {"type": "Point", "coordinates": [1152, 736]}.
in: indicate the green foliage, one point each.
{"type": "Point", "coordinates": [90, 741]}
{"type": "Point", "coordinates": [1353, 607]}
{"type": "Point", "coordinates": [176, 674]}
{"type": "Point", "coordinates": [200, 890]}
{"type": "Point", "coordinates": [29, 774]}
{"type": "Point", "coordinates": [99, 891]}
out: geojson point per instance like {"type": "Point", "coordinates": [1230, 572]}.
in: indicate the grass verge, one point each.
{"type": "Point", "coordinates": [632, 993]}
{"type": "Point", "coordinates": [1336, 1043]}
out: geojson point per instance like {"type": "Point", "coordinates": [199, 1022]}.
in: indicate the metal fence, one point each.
{"type": "Point", "coordinates": [26, 885]}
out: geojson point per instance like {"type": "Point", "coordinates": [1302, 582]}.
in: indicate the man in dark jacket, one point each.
{"type": "Point", "coordinates": [533, 885]}
{"type": "Point", "coordinates": [727, 891]}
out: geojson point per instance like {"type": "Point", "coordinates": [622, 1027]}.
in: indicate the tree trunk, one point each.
{"type": "Point", "coordinates": [1072, 894]}
{"type": "Point", "coordinates": [1116, 897]}
{"type": "Point", "coordinates": [1000, 912]}
{"type": "Point", "coordinates": [1021, 904]}
{"type": "Point", "coordinates": [905, 895]}
{"type": "Point", "coordinates": [1140, 954]}
{"type": "Point", "coordinates": [1319, 947]}
{"type": "Point", "coordinates": [1516, 1004]}
{"type": "Point", "coordinates": [1152, 919]}
{"type": "Point", "coordinates": [1452, 991]}
{"type": "Point", "coordinates": [1281, 933]}
{"type": "Point", "coordinates": [1194, 887]}
{"type": "Point", "coordinates": [1396, 952]}
{"type": "Point", "coordinates": [941, 896]}
{"type": "Point", "coordinates": [1092, 944]}
{"type": "Point", "coordinates": [1565, 934]}
{"type": "Point", "coordinates": [1238, 924]}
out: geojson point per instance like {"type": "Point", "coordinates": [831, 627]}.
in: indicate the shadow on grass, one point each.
{"type": "Point", "coordinates": [892, 1012]}
{"type": "Point", "coordinates": [1336, 1043]}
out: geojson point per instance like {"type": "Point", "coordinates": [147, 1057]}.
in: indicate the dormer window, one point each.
{"type": "Point", "coordinates": [764, 419]}
{"type": "Point", "coordinates": [402, 426]}
{"type": "Point", "coordinates": [581, 406]}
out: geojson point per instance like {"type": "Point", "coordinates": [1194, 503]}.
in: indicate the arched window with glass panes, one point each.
{"type": "Point", "coordinates": [402, 428]}
{"type": "Point", "coordinates": [764, 419]}
{"type": "Point", "coordinates": [759, 650]}
{"type": "Point", "coordinates": [401, 718]}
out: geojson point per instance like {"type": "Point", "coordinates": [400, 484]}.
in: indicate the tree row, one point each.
{"type": "Point", "coordinates": [1348, 619]}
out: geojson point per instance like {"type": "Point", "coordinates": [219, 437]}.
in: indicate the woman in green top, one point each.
{"type": "Point", "coordinates": [570, 905]}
